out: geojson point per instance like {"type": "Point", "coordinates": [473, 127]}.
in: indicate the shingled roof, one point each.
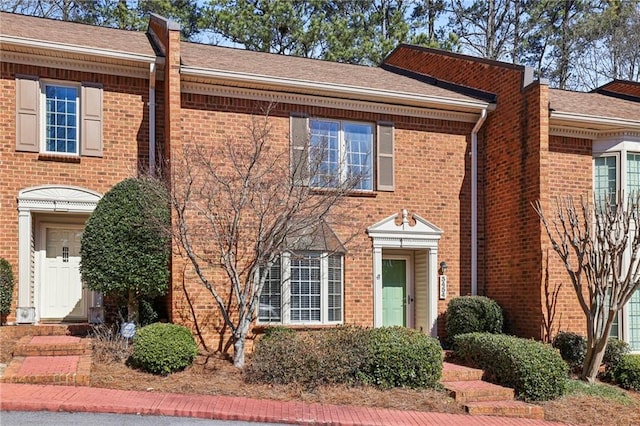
{"type": "Point", "coordinates": [240, 61]}
{"type": "Point", "coordinates": [594, 105]}
{"type": "Point", "coordinates": [74, 34]}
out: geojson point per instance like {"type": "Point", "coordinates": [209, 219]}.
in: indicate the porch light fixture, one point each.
{"type": "Point", "coordinates": [443, 268]}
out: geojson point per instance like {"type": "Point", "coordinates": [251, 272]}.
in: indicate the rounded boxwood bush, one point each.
{"type": "Point", "coordinates": [534, 370]}
{"type": "Point", "coordinates": [627, 372]}
{"type": "Point", "coordinates": [470, 314]}
{"type": "Point", "coordinates": [163, 348]}
{"type": "Point", "coordinates": [400, 357]}
{"type": "Point", "coordinates": [572, 347]}
{"type": "Point", "coordinates": [6, 286]}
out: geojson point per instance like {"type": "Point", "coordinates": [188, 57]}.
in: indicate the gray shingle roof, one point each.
{"type": "Point", "coordinates": [594, 104]}
{"type": "Point", "coordinates": [71, 33]}
{"type": "Point", "coordinates": [311, 70]}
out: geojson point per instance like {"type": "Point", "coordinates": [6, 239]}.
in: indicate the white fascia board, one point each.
{"type": "Point", "coordinates": [338, 89]}
{"type": "Point", "coordinates": [598, 122]}
{"type": "Point", "coordinates": [71, 48]}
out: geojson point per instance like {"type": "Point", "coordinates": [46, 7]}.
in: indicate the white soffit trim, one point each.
{"type": "Point", "coordinates": [585, 133]}
{"type": "Point", "coordinates": [72, 48]}
{"type": "Point", "coordinates": [590, 126]}
{"type": "Point", "coordinates": [327, 102]}
{"type": "Point", "coordinates": [75, 64]}
{"type": "Point", "coordinates": [338, 90]}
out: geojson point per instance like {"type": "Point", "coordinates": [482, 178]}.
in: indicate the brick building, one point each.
{"type": "Point", "coordinates": [454, 149]}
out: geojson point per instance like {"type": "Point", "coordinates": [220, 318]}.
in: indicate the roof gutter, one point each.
{"type": "Point", "coordinates": [474, 202]}
{"type": "Point", "coordinates": [584, 119]}
{"type": "Point", "coordinates": [337, 90]}
{"type": "Point", "coordinates": [70, 48]}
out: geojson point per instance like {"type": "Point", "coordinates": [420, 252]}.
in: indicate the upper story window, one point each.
{"type": "Point", "coordinates": [304, 288]}
{"type": "Point", "coordinates": [60, 118]}
{"type": "Point", "coordinates": [341, 151]}
{"type": "Point", "coordinates": [336, 153]}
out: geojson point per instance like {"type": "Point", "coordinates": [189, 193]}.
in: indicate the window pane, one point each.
{"type": "Point", "coordinates": [359, 146]}
{"type": "Point", "coordinates": [334, 288]}
{"type": "Point", "coordinates": [633, 173]}
{"type": "Point", "coordinates": [605, 171]}
{"type": "Point", "coordinates": [324, 154]}
{"type": "Point", "coordinates": [634, 321]}
{"type": "Point", "coordinates": [270, 306]}
{"type": "Point", "coordinates": [305, 289]}
{"type": "Point", "coordinates": [60, 119]}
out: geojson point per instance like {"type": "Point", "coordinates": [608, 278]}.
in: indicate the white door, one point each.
{"type": "Point", "coordinates": [61, 294]}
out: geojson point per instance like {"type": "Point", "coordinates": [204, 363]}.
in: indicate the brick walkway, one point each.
{"type": "Point", "coordinates": [21, 397]}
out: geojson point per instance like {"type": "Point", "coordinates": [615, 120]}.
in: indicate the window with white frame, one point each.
{"type": "Point", "coordinates": [339, 151]}
{"type": "Point", "coordinates": [58, 117]}
{"type": "Point", "coordinates": [304, 288]}
{"type": "Point", "coordinates": [61, 115]}
{"type": "Point", "coordinates": [618, 169]}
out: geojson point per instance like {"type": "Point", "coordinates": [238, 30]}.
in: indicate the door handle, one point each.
{"type": "Point", "coordinates": [409, 299]}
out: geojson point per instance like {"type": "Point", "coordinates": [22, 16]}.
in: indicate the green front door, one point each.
{"type": "Point", "coordinates": [394, 292]}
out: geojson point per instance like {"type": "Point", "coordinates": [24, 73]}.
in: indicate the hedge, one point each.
{"type": "Point", "coordinates": [534, 370]}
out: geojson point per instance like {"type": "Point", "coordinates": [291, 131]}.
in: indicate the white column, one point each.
{"type": "Point", "coordinates": [24, 258]}
{"type": "Point", "coordinates": [377, 286]}
{"type": "Point", "coordinates": [432, 314]}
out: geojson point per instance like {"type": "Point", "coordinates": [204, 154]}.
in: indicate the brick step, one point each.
{"type": "Point", "coordinates": [71, 370]}
{"type": "Point", "coordinates": [459, 373]}
{"type": "Point", "coordinates": [52, 345]}
{"type": "Point", "coordinates": [505, 409]}
{"type": "Point", "coordinates": [17, 331]}
{"type": "Point", "coordinates": [477, 391]}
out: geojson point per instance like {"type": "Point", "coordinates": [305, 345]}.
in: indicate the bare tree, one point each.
{"type": "Point", "coordinates": [239, 207]}
{"type": "Point", "coordinates": [599, 246]}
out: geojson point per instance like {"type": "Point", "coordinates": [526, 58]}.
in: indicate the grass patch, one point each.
{"type": "Point", "coordinates": [599, 390]}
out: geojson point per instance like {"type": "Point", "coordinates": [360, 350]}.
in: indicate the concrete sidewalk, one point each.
{"type": "Point", "coordinates": [20, 397]}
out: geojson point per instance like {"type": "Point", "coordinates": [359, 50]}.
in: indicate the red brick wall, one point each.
{"type": "Point", "coordinates": [570, 173]}
{"type": "Point", "coordinates": [432, 179]}
{"type": "Point", "coordinates": [125, 138]}
{"type": "Point", "coordinates": [624, 87]}
{"type": "Point", "coordinates": [511, 141]}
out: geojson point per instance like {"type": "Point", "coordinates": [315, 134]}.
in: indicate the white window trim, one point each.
{"type": "Point", "coordinates": [43, 115]}
{"type": "Point", "coordinates": [285, 295]}
{"type": "Point", "coordinates": [342, 148]}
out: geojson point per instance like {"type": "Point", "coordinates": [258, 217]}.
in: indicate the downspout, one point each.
{"type": "Point", "coordinates": [152, 119]}
{"type": "Point", "coordinates": [474, 202]}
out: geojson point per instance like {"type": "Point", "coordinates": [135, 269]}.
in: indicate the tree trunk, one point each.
{"type": "Point", "coordinates": [239, 342]}
{"type": "Point", "coordinates": [238, 352]}
{"type": "Point", "coordinates": [132, 307]}
{"type": "Point", "coordinates": [593, 360]}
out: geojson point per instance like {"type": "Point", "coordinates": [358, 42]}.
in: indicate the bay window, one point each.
{"type": "Point", "coordinates": [617, 168]}
{"type": "Point", "coordinates": [304, 288]}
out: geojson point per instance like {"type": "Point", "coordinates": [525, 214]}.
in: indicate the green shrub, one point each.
{"type": "Point", "coordinates": [163, 348]}
{"type": "Point", "coordinates": [384, 357]}
{"type": "Point", "coordinates": [627, 372]}
{"type": "Point", "coordinates": [403, 357]}
{"type": "Point", "coordinates": [470, 314]}
{"type": "Point", "coordinates": [125, 244]}
{"type": "Point", "coordinates": [284, 356]}
{"type": "Point", "coordinates": [534, 370]}
{"type": "Point", "coordinates": [572, 347]}
{"type": "Point", "coordinates": [6, 286]}
{"type": "Point", "coordinates": [616, 349]}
